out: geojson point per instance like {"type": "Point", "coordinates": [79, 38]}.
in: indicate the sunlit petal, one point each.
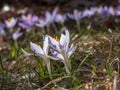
{"type": "Point", "coordinates": [62, 39]}
{"type": "Point", "coordinates": [45, 45]}
{"type": "Point", "coordinates": [36, 49]}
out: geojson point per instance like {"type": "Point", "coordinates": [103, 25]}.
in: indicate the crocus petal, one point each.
{"type": "Point", "coordinates": [60, 18]}
{"type": "Point", "coordinates": [54, 12]}
{"type": "Point", "coordinates": [54, 44]}
{"type": "Point", "coordinates": [36, 49]}
{"type": "Point", "coordinates": [47, 15]}
{"type": "Point", "coordinates": [57, 55]}
{"type": "Point", "coordinates": [45, 45]}
{"type": "Point", "coordinates": [62, 39]}
{"type": "Point", "coordinates": [41, 23]}
{"type": "Point", "coordinates": [67, 36]}
{"type": "Point", "coordinates": [71, 16]}
{"type": "Point", "coordinates": [17, 34]}
{"type": "Point", "coordinates": [71, 50]}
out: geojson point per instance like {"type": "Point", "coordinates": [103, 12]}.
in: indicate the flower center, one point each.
{"type": "Point", "coordinates": [9, 19]}
{"type": "Point", "coordinates": [56, 38]}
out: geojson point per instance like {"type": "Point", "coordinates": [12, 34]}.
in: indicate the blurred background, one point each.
{"type": "Point", "coordinates": [16, 7]}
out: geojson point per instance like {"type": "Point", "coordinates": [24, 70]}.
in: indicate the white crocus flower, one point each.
{"type": "Point", "coordinates": [61, 49]}
{"type": "Point", "coordinates": [42, 52]}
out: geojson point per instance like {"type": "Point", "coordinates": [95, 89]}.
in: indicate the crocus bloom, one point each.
{"type": "Point", "coordinates": [16, 34]}
{"type": "Point", "coordinates": [28, 21]}
{"type": "Point", "coordinates": [59, 18]}
{"type": "Point", "coordinates": [38, 50]}
{"type": "Point", "coordinates": [76, 15]}
{"type": "Point", "coordinates": [43, 53]}
{"type": "Point", "coordinates": [49, 17]}
{"type": "Point", "coordinates": [10, 22]}
{"type": "Point", "coordinates": [61, 49]}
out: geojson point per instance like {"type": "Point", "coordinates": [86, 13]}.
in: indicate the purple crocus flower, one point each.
{"type": "Point", "coordinates": [59, 18]}
{"type": "Point", "coordinates": [49, 17]}
{"type": "Point", "coordinates": [28, 21]}
{"type": "Point", "coordinates": [16, 34]}
{"type": "Point", "coordinates": [10, 22]}
{"type": "Point", "coordinates": [76, 15]}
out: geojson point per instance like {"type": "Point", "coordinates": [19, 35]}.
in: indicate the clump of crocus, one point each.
{"type": "Point", "coordinates": [61, 50]}
{"type": "Point", "coordinates": [42, 52]}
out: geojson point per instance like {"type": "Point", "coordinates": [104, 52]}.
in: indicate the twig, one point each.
{"type": "Point", "coordinates": [54, 81]}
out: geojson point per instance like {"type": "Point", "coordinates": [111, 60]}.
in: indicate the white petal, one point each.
{"type": "Point", "coordinates": [36, 49]}
{"type": "Point", "coordinates": [62, 39]}
{"type": "Point", "coordinates": [45, 45]}
{"type": "Point", "coordinates": [71, 50]}
{"type": "Point", "coordinates": [71, 16]}
{"type": "Point", "coordinates": [16, 34]}
{"type": "Point", "coordinates": [67, 37]}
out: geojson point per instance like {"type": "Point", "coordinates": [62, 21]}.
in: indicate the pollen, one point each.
{"type": "Point", "coordinates": [9, 19]}
{"type": "Point", "coordinates": [56, 38]}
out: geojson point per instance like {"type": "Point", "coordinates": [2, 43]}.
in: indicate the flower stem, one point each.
{"type": "Point", "coordinates": [49, 69]}
{"type": "Point", "coordinates": [67, 66]}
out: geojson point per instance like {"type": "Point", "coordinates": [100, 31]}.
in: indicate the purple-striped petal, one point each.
{"type": "Point", "coordinates": [57, 55]}
{"type": "Point", "coordinates": [54, 44]}
{"type": "Point", "coordinates": [36, 49]}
